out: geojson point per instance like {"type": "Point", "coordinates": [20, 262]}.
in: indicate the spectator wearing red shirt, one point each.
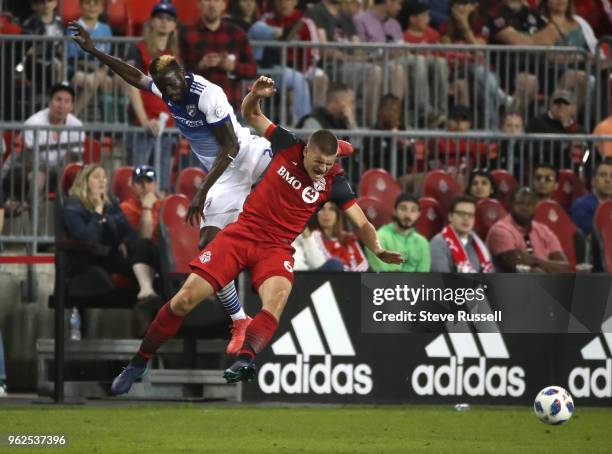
{"type": "Point", "coordinates": [159, 38]}
{"type": "Point", "coordinates": [219, 50]}
{"type": "Point", "coordinates": [337, 242]}
{"type": "Point", "coordinates": [142, 213]}
{"type": "Point", "coordinates": [301, 62]}
{"type": "Point", "coordinates": [469, 69]}
{"type": "Point", "coordinates": [430, 71]}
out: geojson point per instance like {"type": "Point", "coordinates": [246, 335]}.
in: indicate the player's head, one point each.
{"type": "Point", "coordinates": [169, 77]}
{"type": "Point", "coordinates": [320, 153]}
{"type": "Point", "coordinates": [407, 210]}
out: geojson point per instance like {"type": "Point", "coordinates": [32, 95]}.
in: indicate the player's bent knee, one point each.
{"type": "Point", "coordinates": [194, 291]}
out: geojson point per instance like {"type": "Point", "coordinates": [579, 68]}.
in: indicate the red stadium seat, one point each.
{"type": "Point", "coordinates": [138, 12]}
{"type": "Point", "coordinates": [442, 187]}
{"type": "Point", "coordinates": [68, 176]}
{"type": "Point", "coordinates": [187, 11]}
{"type": "Point", "coordinates": [569, 189]}
{"type": "Point", "coordinates": [430, 222]}
{"type": "Point", "coordinates": [92, 150]}
{"type": "Point", "coordinates": [505, 183]}
{"type": "Point", "coordinates": [488, 212]}
{"type": "Point", "coordinates": [117, 15]}
{"type": "Point", "coordinates": [380, 184]}
{"type": "Point", "coordinates": [180, 239]}
{"type": "Point", "coordinates": [122, 178]}
{"type": "Point", "coordinates": [603, 233]}
{"type": "Point", "coordinates": [377, 212]}
{"type": "Point", "coordinates": [556, 218]}
{"type": "Point", "coordinates": [189, 181]}
{"type": "Point", "coordinates": [70, 10]}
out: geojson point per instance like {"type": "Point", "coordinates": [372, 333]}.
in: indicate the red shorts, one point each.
{"type": "Point", "coordinates": [231, 252]}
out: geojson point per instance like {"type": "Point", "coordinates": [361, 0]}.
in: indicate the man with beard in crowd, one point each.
{"type": "Point", "coordinates": [401, 236]}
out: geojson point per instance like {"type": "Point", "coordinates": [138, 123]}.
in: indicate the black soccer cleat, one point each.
{"type": "Point", "coordinates": [241, 370]}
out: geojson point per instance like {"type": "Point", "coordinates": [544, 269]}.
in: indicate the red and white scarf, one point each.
{"type": "Point", "coordinates": [460, 257]}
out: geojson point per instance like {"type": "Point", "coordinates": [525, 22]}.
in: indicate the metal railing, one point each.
{"type": "Point", "coordinates": [31, 180]}
{"type": "Point", "coordinates": [489, 79]}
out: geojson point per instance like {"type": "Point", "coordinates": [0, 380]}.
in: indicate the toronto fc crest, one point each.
{"type": "Point", "coordinates": [205, 257]}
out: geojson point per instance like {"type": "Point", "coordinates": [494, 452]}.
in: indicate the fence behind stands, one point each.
{"type": "Point", "coordinates": [489, 79]}
{"type": "Point", "coordinates": [407, 155]}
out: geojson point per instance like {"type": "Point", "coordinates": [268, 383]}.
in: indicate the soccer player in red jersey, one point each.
{"type": "Point", "coordinates": [300, 178]}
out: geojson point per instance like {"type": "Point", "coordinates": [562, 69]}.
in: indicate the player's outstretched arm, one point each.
{"type": "Point", "coordinates": [251, 110]}
{"type": "Point", "coordinates": [367, 234]}
{"type": "Point", "coordinates": [228, 142]}
{"type": "Point", "coordinates": [131, 75]}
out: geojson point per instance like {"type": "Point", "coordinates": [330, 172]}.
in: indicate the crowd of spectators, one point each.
{"type": "Point", "coordinates": [222, 45]}
{"type": "Point", "coordinates": [447, 90]}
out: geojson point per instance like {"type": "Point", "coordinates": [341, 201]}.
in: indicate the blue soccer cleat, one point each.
{"type": "Point", "coordinates": [241, 370]}
{"type": "Point", "coordinates": [124, 381]}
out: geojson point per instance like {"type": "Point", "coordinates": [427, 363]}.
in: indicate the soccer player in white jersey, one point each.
{"type": "Point", "coordinates": [205, 117]}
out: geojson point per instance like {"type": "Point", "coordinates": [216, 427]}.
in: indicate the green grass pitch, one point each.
{"type": "Point", "coordinates": [203, 428]}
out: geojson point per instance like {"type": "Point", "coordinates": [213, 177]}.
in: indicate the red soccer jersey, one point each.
{"type": "Point", "coordinates": [286, 198]}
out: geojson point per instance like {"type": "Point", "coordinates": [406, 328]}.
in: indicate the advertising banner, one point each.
{"type": "Point", "coordinates": [326, 349]}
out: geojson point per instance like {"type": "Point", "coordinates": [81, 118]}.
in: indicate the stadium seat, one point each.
{"type": "Point", "coordinates": [572, 239]}
{"type": "Point", "coordinates": [137, 13]}
{"type": "Point", "coordinates": [117, 16]}
{"type": "Point", "coordinates": [488, 212]}
{"type": "Point", "coordinates": [189, 181]}
{"type": "Point", "coordinates": [70, 10]}
{"type": "Point", "coordinates": [602, 234]}
{"type": "Point", "coordinates": [121, 183]}
{"type": "Point", "coordinates": [505, 183]}
{"type": "Point", "coordinates": [430, 222]}
{"type": "Point", "coordinates": [178, 245]}
{"type": "Point", "coordinates": [442, 187]}
{"type": "Point", "coordinates": [569, 189]}
{"type": "Point", "coordinates": [377, 212]}
{"type": "Point", "coordinates": [187, 11]}
{"type": "Point", "coordinates": [70, 172]}
{"type": "Point", "coordinates": [92, 150]}
{"type": "Point", "coordinates": [379, 183]}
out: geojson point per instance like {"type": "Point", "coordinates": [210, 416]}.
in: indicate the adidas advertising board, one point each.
{"type": "Point", "coordinates": [322, 351]}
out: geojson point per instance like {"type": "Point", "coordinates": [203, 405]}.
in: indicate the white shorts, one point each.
{"type": "Point", "coordinates": [225, 199]}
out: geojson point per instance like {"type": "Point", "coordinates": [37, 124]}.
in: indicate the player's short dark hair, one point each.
{"type": "Point", "coordinates": [162, 64]}
{"type": "Point", "coordinates": [462, 199]}
{"type": "Point", "coordinates": [545, 165]}
{"type": "Point", "coordinates": [326, 141]}
{"type": "Point", "coordinates": [406, 197]}
{"type": "Point", "coordinates": [61, 86]}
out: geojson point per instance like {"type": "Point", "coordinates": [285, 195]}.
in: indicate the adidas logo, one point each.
{"type": "Point", "coordinates": [321, 334]}
{"type": "Point", "coordinates": [458, 378]}
{"type": "Point", "coordinates": [585, 381]}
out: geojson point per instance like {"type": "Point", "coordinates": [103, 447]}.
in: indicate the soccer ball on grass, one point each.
{"type": "Point", "coordinates": [553, 405]}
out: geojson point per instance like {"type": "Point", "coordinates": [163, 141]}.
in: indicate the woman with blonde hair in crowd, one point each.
{"type": "Point", "coordinates": [90, 215]}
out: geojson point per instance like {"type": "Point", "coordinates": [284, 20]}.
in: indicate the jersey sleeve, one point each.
{"type": "Point", "coordinates": [342, 194]}
{"type": "Point", "coordinates": [214, 105]}
{"type": "Point", "coordinates": [280, 138]}
{"type": "Point", "coordinates": [153, 88]}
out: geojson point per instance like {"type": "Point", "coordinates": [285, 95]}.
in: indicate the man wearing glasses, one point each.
{"type": "Point", "coordinates": [457, 248]}
{"type": "Point", "coordinates": [518, 243]}
{"type": "Point", "coordinates": [545, 181]}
